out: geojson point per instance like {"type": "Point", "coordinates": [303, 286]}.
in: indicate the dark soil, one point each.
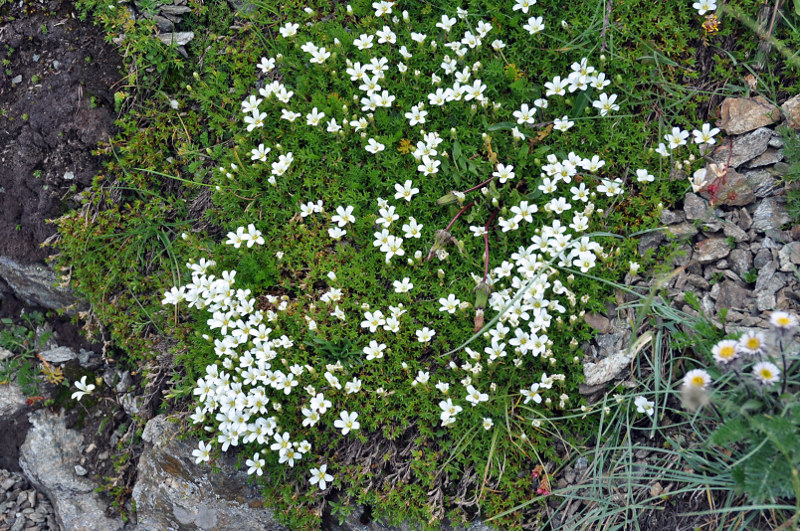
{"type": "Point", "coordinates": [50, 121]}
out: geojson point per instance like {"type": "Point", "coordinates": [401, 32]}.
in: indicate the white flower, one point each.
{"type": "Point", "coordinates": [289, 30]}
{"type": "Point", "coordinates": [403, 286]}
{"type": "Point", "coordinates": [644, 176]}
{"type": "Point", "coordinates": [83, 389]}
{"type": "Point", "coordinates": [523, 5]}
{"type": "Point", "coordinates": [343, 216]}
{"type": "Point", "coordinates": [202, 453]}
{"type": "Point", "coordinates": [643, 405]}
{"type": "Point", "coordinates": [363, 41]}
{"type": "Point", "coordinates": [474, 396]}
{"type": "Point", "coordinates": [487, 423]}
{"type": "Point", "coordinates": [766, 373]}
{"type": "Point", "coordinates": [705, 135]}
{"type": "Point", "coordinates": [266, 64]}
{"type": "Point", "coordinates": [605, 103]}
{"type": "Point", "coordinates": [703, 6]}
{"type": "Point", "coordinates": [534, 25]}
{"type": "Point", "coordinates": [563, 123]}
{"type": "Point", "coordinates": [382, 8]}
{"type": "Point", "coordinates": [405, 191]}
{"type": "Point", "coordinates": [676, 138]}
{"type": "Point", "coordinates": [504, 173]}
{"type": "Point", "coordinates": [450, 304]}
{"type": "Point", "coordinates": [373, 146]}
{"type": "Point", "coordinates": [320, 477]}
{"type": "Point", "coordinates": [525, 114]}
{"type": "Point", "coordinates": [336, 233]}
{"type": "Point", "coordinates": [429, 166]}
{"type": "Point", "coordinates": [347, 422]}
{"type": "Point", "coordinates": [256, 465]}
{"type": "Point", "coordinates": [425, 335]}
{"type": "Point", "coordinates": [697, 378]}
{"type": "Point", "coordinates": [449, 411]}
{"type": "Point", "coordinates": [446, 24]}
{"type": "Point", "coordinates": [374, 350]}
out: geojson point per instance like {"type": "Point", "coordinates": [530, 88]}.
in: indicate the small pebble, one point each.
{"type": "Point", "coordinates": [80, 470]}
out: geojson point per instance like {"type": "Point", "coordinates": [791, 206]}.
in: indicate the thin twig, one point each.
{"type": "Point", "coordinates": [605, 25]}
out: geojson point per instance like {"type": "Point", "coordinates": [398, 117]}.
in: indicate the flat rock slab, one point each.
{"type": "Point", "coordinates": [770, 215]}
{"type": "Point", "coordinates": [711, 250]}
{"type": "Point", "coordinates": [48, 459]}
{"type": "Point", "coordinates": [58, 355]}
{"type": "Point", "coordinates": [35, 284]}
{"type": "Point", "coordinates": [173, 493]}
{"type": "Point", "coordinates": [745, 148]}
{"type": "Point", "coordinates": [741, 115]}
{"type": "Point", "coordinates": [11, 399]}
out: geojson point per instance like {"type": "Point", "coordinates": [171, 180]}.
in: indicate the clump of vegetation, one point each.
{"type": "Point", "coordinates": [394, 224]}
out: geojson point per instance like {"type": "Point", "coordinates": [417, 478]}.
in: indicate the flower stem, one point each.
{"type": "Point", "coordinates": [463, 209]}
{"type": "Point", "coordinates": [486, 245]}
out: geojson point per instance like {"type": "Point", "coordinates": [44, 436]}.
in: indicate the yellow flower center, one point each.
{"type": "Point", "coordinates": [727, 352]}
{"type": "Point", "coordinates": [784, 321]}
{"type": "Point", "coordinates": [753, 343]}
{"type": "Point", "coordinates": [766, 374]}
{"type": "Point", "coordinates": [698, 381]}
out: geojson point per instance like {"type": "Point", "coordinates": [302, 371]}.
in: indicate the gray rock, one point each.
{"type": "Point", "coordinates": [791, 109]}
{"type": "Point", "coordinates": [732, 231]}
{"type": "Point", "coordinates": [243, 6]}
{"type": "Point", "coordinates": [789, 257]}
{"type": "Point", "coordinates": [776, 141]}
{"type": "Point", "coordinates": [36, 285]}
{"type": "Point", "coordinates": [682, 230]}
{"type": "Point", "coordinates": [614, 356]}
{"type": "Point", "coordinates": [175, 10]}
{"type": "Point", "coordinates": [745, 148]}
{"type": "Point", "coordinates": [770, 214]}
{"type": "Point", "coordinates": [733, 296]}
{"type": "Point", "coordinates": [694, 207]}
{"type": "Point", "coordinates": [765, 274]}
{"type": "Point", "coordinates": [598, 322]}
{"type": "Point", "coordinates": [172, 492]}
{"type": "Point", "coordinates": [740, 115]}
{"type": "Point", "coordinates": [164, 24]}
{"type": "Point", "coordinates": [670, 217]}
{"type": "Point", "coordinates": [762, 258]}
{"type": "Point", "coordinates": [765, 301]}
{"type": "Point", "coordinates": [744, 221]}
{"type": "Point", "coordinates": [768, 158]}
{"type": "Point", "coordinates": [732, 189]}
{"type": "Point", "coordinates": [5, 354]}
{"type": "Point", "coordinates": [59, 355]}
{"type": "Point", "coordinates": [741, 261]}
{"type": "Point", "coordinates": [48, 458]}
{"type": "Point", "coordinates": [711, 250]}
{"type": "Point", "coordinates": [762, 182]}
{"type": "Point", "coordinates": [651, 240]}
{"type": "Point", "coordinates": [179, 38]}
{"type": "Point", "coordinates": [16, 80]}
{"type": "Point", "coordinates": [11, 399]}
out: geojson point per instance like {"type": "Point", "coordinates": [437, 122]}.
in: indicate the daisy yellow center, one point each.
{"type": "Point", "coordinates": [784, 321]}
{"type": "Point", "coordinates": [698, 381]}
{"type": "Point", "coordinates": [727, 352]}
{"type": "Point", "coordinates": [766, 374]}
{"type": "Point", "coordinates": [753, 343]}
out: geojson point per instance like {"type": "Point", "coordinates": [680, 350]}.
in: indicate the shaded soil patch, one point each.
{"type": "Point", "coordinates": [57, 105]}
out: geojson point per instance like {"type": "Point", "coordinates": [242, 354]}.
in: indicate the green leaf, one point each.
{"type": "Point", "coordinates": [580, 104]}
{"type": "Point", "coordinates": [456, 150]}
{"type": "Point", "coordinates": [729, 433]}
{"type": "Point", "coordinates": [525, 149]}
{"type": "Point", "coordinates": [501, 126]}
{"type": "Point", "coordinates": [797, 6]}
